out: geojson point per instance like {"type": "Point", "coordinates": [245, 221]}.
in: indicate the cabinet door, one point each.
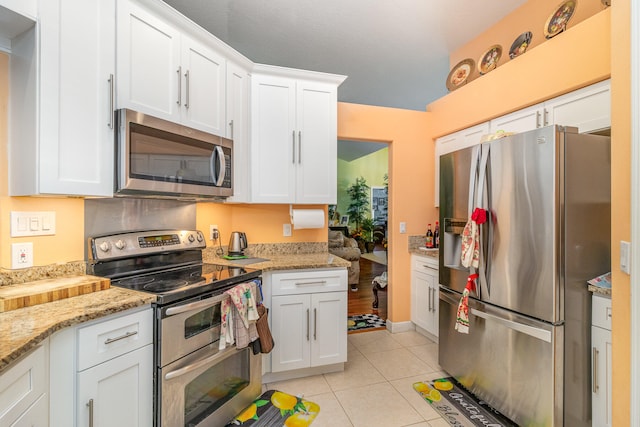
{"type": "Point", "coordinates": [149, 71]}
{"type": "Point", "coordinates": [315, 151]}
{"type": "Point", "coordinates": [273, 139]}
{"type": "Point", "coordinates": [37, 415]}
{"type": "Point", "coordinates": [291, 329]}
{"type": "Point", "coordinates": [120, 391]}
{"type": "Point", "coordinates": [329, 324]}
{"type": "Point", "coordinates": [520, 121]}
{"type": "Point", "coordinates": [203, 87]}
{"type": "Point", "coordinates": [77, 68]}
{"type": "Point", "coordinates": [237, 129]}
{"type": "Point", "coordinates": [588, 109]}
{"type": "Point", "coordinates": [601, 376]}
{"type": "Point", "coordinates": [421, 299]}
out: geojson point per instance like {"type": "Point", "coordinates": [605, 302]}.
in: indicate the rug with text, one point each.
{"type": "Point", "coordinates": [364, 321]}
{"type": "Point", "coordinates": [276, 409]}
{"type": "Point", "coordinates": [459, 407]}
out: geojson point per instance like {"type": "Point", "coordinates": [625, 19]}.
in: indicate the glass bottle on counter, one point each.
{"type": "Point", "coordinates": [429, 241]}
{"type": "Point", "coordinates": [436, 236]}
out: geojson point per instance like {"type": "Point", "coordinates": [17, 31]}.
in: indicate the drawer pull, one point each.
{"type": "Point", "coordinates": [90, 405]}
{"type": "Point", "coordinates": [429, 267]}
{"type": "Point", "coordinates": [121, 337]}
{"type": "Point", "coordinates": [317, 282]}
{"type": "Point", "coordinates": [594, 361]}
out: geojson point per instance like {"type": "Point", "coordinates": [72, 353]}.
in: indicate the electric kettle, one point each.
{"type": "Point", "coordinates": [237, 243]}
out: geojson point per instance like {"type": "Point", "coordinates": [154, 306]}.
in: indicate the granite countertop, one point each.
{"type": "Point", "coordinates": [430, 253]}
{"type": "Point", "coordinates": [24, 328]}
{"type": "Point", "coordinates": [286, 262]}
{"type": "Point", "coordinates": [600, 291]}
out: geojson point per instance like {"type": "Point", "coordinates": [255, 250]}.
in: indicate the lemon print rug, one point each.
{"type": "Point", "coordinates": [275, 408]}
{"type": "Point", "coordinates": [459, 407]}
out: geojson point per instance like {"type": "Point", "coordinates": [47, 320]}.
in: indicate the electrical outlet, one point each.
{"type": "Point", "coordinates": [403, 227]}
{"type": "Point", "coordinates": [286, 230]}
{"type": "Point", "coordinates": [214, 233]}
{"type": "Point", "coordinates": [21, 255]}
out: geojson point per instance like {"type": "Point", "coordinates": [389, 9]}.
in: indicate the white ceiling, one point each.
{"type": "Point", "coordinates": [394, 52]}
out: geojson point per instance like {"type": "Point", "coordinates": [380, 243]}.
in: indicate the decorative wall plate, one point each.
{"type": "Point", "coordinates": [460, 73]}
{"type": "Point", "coordinates": [520, 44]}
{"type": "Point", "coordinates": [558, 20]}
{"type": "Point", "coordinates": [489, 60]}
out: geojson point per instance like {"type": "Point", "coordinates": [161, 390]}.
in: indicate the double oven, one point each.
{"type": "Point", "coordinates": [195, 383]}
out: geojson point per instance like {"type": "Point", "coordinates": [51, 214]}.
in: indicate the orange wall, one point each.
{"type": "Point", "coordinates": [531, 16]}
{"type": "Point", "coordinates": [621, 208]}
{"type": "Point", "coordinates": [411, 162]}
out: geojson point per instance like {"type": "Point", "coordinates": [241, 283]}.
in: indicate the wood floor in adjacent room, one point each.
{"type": "Point", "coordinates": [360, 302]}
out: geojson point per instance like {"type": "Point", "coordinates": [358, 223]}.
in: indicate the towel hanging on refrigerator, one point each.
{"type": "Point", "coordinates": [462, 318]}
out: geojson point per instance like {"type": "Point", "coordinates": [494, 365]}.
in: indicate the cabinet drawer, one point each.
{"type": "Point", "coordinates": [114, 336]}
{"type": "Point", "coordinates": [23, 384]}
{"type": "Point", "coordinates": [425, 265]}
{"type": "Point", "coordinates": [601, 312]}
{"type": "Point", "coordinates": [309, 281]}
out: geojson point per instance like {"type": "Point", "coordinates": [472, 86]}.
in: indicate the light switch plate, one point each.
{"type": "Point", "coordinates": [286, 230]}
{"type": "Point", "coordinates": [625, 257]}
{"type": "Point", "coordinates": [403, 227]}
{"type": "Point", "coordinates": [33, 223]}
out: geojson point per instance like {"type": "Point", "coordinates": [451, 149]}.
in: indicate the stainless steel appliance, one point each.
{"type": "Point", "coordinates": [237, 243]}
{"type": "Point", "coordinates": [159, 158]}
{"type": "Point", "coordinates": [547, 193]}
{"type": "Point", "coordinates": [196, 384]}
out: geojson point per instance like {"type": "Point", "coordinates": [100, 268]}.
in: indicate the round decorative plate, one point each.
{"type": "Point", "coordinates": [459, 74]}
{"type": "Point", "coordinates": [489, 60]}
{"type": "Point", "coordinates": [520, 44]}
{"type": "Point", "coordinates": [558, 20]}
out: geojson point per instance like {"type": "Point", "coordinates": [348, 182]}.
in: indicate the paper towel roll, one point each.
{"type": "Point", "coordinates": [307, 218]}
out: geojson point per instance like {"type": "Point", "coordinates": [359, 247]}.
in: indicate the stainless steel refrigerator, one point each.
{"type": "Point", "coordinates": [548, 197]}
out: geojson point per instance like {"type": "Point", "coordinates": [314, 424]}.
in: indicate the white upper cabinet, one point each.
{"type": "Point", "coordinates": [293, 136]}
{"type": "Point", "coordinates": [61, 140]}
{"type": "Point", "coordinates": [166, 73]}
{"type": "Point", "coordinates": [520, 121]}
{"type": "Point", "coordinates": [238, 128]}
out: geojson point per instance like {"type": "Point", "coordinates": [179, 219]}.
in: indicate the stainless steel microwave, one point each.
{"type": "Point", "coordinates": [158, 158]}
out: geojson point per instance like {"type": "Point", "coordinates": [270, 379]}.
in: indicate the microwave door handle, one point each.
{"type": "Point", "coordinates": [222, 164]}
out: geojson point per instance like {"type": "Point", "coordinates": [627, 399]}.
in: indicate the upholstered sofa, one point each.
{"type": "Point", "coordinates": [346, 248]}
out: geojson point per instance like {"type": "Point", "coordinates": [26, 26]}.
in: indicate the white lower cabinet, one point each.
{"type": "Point", "coordinates": [424, 294]}
{"type": "Point", "coordinates": [601, 361]}
{"type": "Point", "coordinates": [308, 319]}
{"type": "Point", "coordinates": [23, 390]}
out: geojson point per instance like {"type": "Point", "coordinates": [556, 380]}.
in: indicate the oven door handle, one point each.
{"type": "Point", "coordinates": [200, 363]}
{"type": "Point", "coordinates": [172, 311]}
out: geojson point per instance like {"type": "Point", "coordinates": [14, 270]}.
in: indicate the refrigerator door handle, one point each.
{"type": "Point", "coordinates": [538, 333]}
{"type": "Point", "coordinates": [482, 201]}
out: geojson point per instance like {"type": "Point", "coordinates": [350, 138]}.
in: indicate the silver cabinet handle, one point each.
{"type": "Point", "coordinates": [179, 71]}
{"type": "Point", "coordinates": [315, 324]}
{"type": "Point", "coordinates": [299, 147]}
{"type": "Point", "coordinates": [307, 324]}
{"type": "Point", "coordinates": [429, 267]}
{"type": "Point", "coordinates": [90, 405]}
{"type": "Point", "coordinates": [186, 88]}
{"type": "Point", "coordinates": [195, 305]}
{"type": "Point", "coordinates": [317, 282]}
{"type": "Point", "coordinates": [594, 358]}
{"type": "Point", "coordinates": [546, 117]}
{"type": "Point", "coordinates": [231, 128]}
{"type": "Point", "coordinates": [537, 119]}
{"type": "Point", "coordinates": [111, 102]}
{"type": "Point", "coordinates": [121, 337]}
{"type": "Point", "coordinates": [293, 145]}
{"type": "Point", "coordinates": [430, 300]}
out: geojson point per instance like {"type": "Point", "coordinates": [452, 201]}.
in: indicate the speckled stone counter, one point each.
{"type": "Point", "coordinates": [286, 262]}
{"type": "Point", "coordinates": [600, 291]}
{"type": "Point", "coordinates": [23, 329]}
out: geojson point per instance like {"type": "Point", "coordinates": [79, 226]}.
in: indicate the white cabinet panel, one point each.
{"type": "Point", "coordinates": [588, 109]}
{"type": "Point", "coordinates": [329, 338]}
{"type": "Point", "coordinates": [37, 415]}
{"type": "Point", "coordinates": [424, 294]}
{"type": "Point", "coordinates": [290, 324]}
{"type": "Point", "coordinates": [520, 121]}
{"type": "Point", "coordinates": [601, 376]}
{"type": "Point", "coordinates": [238, 81]}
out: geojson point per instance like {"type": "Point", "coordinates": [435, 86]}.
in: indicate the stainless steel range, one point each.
{"type": "Point", "coordinates": [195, 383]}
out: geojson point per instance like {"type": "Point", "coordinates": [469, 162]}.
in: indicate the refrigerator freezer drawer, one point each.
{"type": "Point", "coordinates": [511, 361]}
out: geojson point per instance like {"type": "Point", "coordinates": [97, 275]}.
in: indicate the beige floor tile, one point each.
{"type": "Point", "coordinates": [398, 363]}
{"type": "Point", "coordinates": [378, 405]}
{"type": "Point", "coordinates": [422, 424]}
{"type": "Point", "coordinates": [405, 388]}
{"type": "Point", "coordinates": [373, 342]}
{"type": "Point", "coordinates": [331, 412]}
{"type": "Point", "coordinates": [411, 339]}
{"type": "Point", "coordinates": [427, 353]}
{"type": "Point", "coordinates": [358, 371]}
{"type": "Point", "coordinates": [302, 386]}
{"type": "Point", "coordinates": [439, 423]}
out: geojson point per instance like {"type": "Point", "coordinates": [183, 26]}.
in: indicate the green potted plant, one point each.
{"type": "Point", "coordinates": [367, 233]}
{"type": "Point", "coordinates": [359, 205]}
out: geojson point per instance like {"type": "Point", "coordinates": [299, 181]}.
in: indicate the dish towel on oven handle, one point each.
{"type": "Point", "coordinates": [243, 314]}
{"type": "Point", "coordinates": [462, 317]}
{"type": "Point", "coordinates": [226, 324]}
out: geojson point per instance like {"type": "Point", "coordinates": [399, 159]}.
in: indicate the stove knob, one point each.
{"type": "Point", "coordinates": [191, 238]}
{"type": "Point", "coordinates": [120, 244]}
{"type": "Point", "coordinates": [200, 238]}
{"type": "Point", "coordinates": [104, 247]}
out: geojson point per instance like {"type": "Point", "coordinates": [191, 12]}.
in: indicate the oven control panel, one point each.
{"type": "Point", "coordinates": [132, 244]}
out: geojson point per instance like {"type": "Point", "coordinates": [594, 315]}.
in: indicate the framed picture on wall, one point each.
{"type": "Point", "coordinates": [344, 220]}
{"type": "Point", "coordinates": [379, 204]}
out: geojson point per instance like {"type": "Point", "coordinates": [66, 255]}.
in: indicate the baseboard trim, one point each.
{"type": "Point", "coordinates": [397, 327]}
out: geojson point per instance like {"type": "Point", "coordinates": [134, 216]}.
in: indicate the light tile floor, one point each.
{"type": "Point", "coordinates": [375, 388]}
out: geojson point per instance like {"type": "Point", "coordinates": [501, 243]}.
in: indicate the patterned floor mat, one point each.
{"type": "Point", "coordinates": [276, 409]}
{"type": "Point", "coordinates": [364, 321]}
